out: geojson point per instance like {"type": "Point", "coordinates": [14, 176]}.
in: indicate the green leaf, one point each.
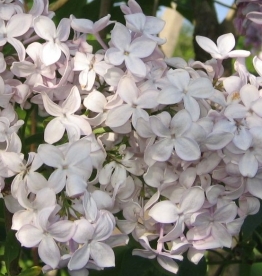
{"type": "Point", "coordinates": [71, 7]}
{"type": "Point", "coordinates": [255, 270]}
{"type": "Point", "coordinates": [245, 270]}
{"type": "Point", "coordinates": [188, 268]}
{"type": "Point", "coordinates": [32, 271]}
{"type": "Point", "coordinates": [184, 7]}
{"type": "Point", "coordinates": [251, 223]}
{"type": "Point", "coordinates": [135, 265]}
{"type": "Point", "coordinates": [35, 139]}
{"type": "Point", "coordinates": [12, 249]}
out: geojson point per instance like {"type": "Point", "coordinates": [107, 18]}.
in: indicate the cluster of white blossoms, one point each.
{"type": "Point", "coordinates": [167, 151]}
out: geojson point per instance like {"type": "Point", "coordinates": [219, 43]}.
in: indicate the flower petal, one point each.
{"type": "Point", "coordinates": [164, 212]}
{"type": "Point", "coordinates": [49, 252]}
{"type": "Point", "coordinates": [102, 254]}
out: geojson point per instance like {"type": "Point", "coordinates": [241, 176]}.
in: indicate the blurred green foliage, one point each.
{"type": "Point", "coordinates": [249, 250]}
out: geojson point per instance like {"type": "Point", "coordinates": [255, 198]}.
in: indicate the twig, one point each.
{"type": "Point", "coordinates": [104, 10]}
{"type": "Point", "coordinates": [224, 5]}
{"type": "Point", "coordinates": [33, 128]}
{"type": "Point", "coordinates": [57, 5]}
{"type": "Point", "coordinates": [155, 7]}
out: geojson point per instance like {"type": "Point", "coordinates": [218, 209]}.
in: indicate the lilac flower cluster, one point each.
{"type": "Point", "coordinates": [248, 21]}
{"type": "Point", "coordinates": [169, 145]}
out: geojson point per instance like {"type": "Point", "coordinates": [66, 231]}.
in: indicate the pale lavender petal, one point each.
{"type": "Point", "coordinates": [220, 234]}
{"type": "Point", "coordinates": [248, 164]}
{"type": "Point", "coordinates": [208, 45]}
{"type": "Point", "coordinates": [142, 47]}
{"type": "Point", "coordinates": [227, 213]}
{"type": "Point", "coordinates": [75, 185]}
{"type": "Point", "coordinates": [95, 101]}
{"type": "Point", "coordinates": [200, 88]}
{"type": "Point", "coordinates": [80, 257]}
{"type": "Point", "coordinates": [179, 78]}
{"type": "Point", "coordinates": [135, 65]}
{"type": "Point", "coordinates": [226, 43]}
{"type": "Point", "coordinates": [192, 106]}
{"type": "Point", "coordinates": [257, 107]}
{"type": "Point", "coordinates": [218, 140]}
{"type": "Point", "coordinates": [257, 62]}
{"type": "Point", "coordinates": [62, 231]}
{"type": "Point", "coordinates": [119, 116]}
{"type": "Point", "coordinates": [103, 200]}
{"type": "Point", "coordinates": [51, 53]}
{"type": "Point", "coordinates": [148, 99]}
{"type": "Point", "coordinates": [154, 25]}
{"type": "Point", "coordinates": [187, 149]}
{"type": "Point", "coordinates": [45, 27]}
{"type": "Point", "coordinates": [82, 25]}
{"type": "Point", "coordinates": [168, 264]}
{"type": "Point", "coordinates": [128, 90]}
{"type": "Point", "coordinates": [180, 123]}
{"type": "Point", "coordinates": [102, 23]}
{"type": "Point", "coordinates": [102, 254]}
{"type": "Point", "coordinates": [50, 107]}
{"type": "Point", "coordinates": [104, 226]}
{"type": "Point", "coordinates": [19, 47]}
{"type": "Point", "coordinates": [235, 111]}
{"type": "Point", "coordinates": [57, 180]}
{"type": "Point", "coordinates": [89, 207]}
{"type": "Point", "coordinates": [22, 69]}
{"type": "Point", "coordinates": [238, 53]}
{"type": "Point", "coordinates": [242, 138]}
{"type": "Point", "coordinates": [164, 212]}
{"type": "Point", "coordinates": [84, 231]}
{"type": "Point", "coordinates": [72, 102]}
{"type": "Point", "coordinates": [49, 252]}
{"type": "Point", "coordinates": [21, 218]}
{"type": "Point", "coordinates": [158, 127]}
{"type": "Point", "coordinates": [115, 56]}
{"type": "Point", "coordinates": [249, 93]}
{"type": "Point", "coordinates": [63, 29]}
{"type": "Point", "coordinates": [44, 198]}
{"type": "Point", "coordinates": [170, 95]}
{"type": "Point", "coordinates": [176, 232]}
{"type": "Point", "coordinates": [29, 235]}
{"type": "Point", "coordinates": [255, 16]}
{"type": "Point", "coordinates": [254, 187]}
{"type": "Point", "coordinates": [51, 155]}
{"type": "Point", "coordinates": [161, 150]}
{"type": "Point", "coordinates": [192, 200]}
{"type": "Point", "coordinates": [54, 131]}
{"type": "Point", "coordinates": [14, 27]}
{"type": "Point", "coordinates": [121, 37]}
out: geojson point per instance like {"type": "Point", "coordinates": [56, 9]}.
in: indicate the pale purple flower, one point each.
{"type": "Point", "coordinates": [90, 65]}
{"type": "Point", "coordinates": [213, 224]}
{"type": "Point", "coordinates": [135, 103]}
{"type": "Point", "coordinates": [55, 37]}
{"type": "Point", "coordinates": [148, 26]}
{"type": "Point", "coordinates": [75, 125]}
{"type": "Point", "coordinates": [44, 235]}
{"type": "Point", "coordinates": [183, 88]}
{"type": "Point", "coordinates": [12, 29]}
{"type": "Point", "coordinates": [128, 51]}
{"type": "Point", "coordinates": [34, 72]}
{"type": "Point", "coordinates": [73, 166]}
{"type": "Point", "coordinates": [92, 238]}
{"type": "Point", "coordinates": [172, 135]}
{"type": "Point", "coordinates": [165, 259]}
{"type": "Point", "coordinates": [223, 49]}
